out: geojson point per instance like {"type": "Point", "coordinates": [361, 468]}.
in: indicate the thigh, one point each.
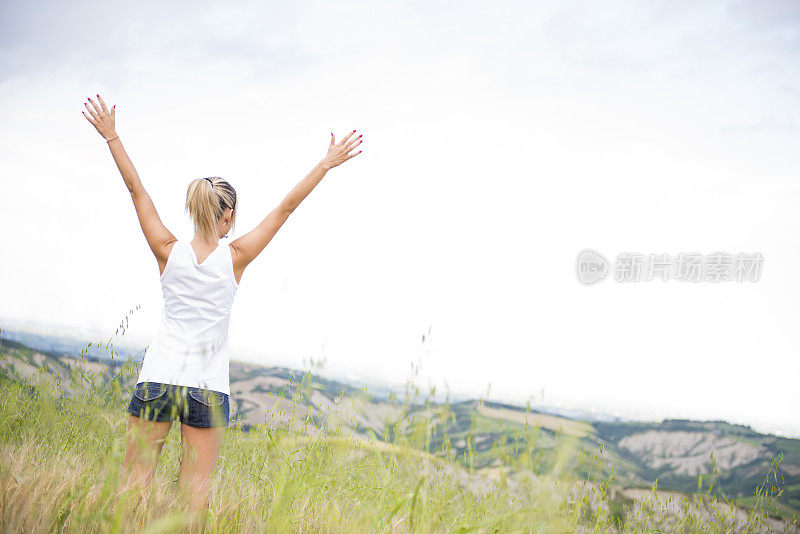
{"type": "Point", "coordinates": [200, 451]}
{"type": "Point", "coordinates": [200, 448]}
{"type": "Point", "coordinates": [144, 441]}
{"type": "Point", "coordinates": [144, 435]}
{"type": "Point", "coordinates": [205, 408]}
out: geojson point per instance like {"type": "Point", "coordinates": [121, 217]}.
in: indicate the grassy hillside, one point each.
{"type": "Point", "coordinates": [304, 453]}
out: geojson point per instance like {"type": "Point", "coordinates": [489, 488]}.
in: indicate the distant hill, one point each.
{"type": "Point", "coordinates": [677, 455]}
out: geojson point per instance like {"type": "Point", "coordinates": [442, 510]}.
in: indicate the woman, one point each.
{"type": "Point", "coordinates": [184, 374]}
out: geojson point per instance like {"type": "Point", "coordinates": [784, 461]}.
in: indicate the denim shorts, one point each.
{"type": "Point", "coordinates": [193, 406]}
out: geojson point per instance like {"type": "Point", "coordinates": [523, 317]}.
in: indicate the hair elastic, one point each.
{"type": "Point", "coordinates": [209, 180]}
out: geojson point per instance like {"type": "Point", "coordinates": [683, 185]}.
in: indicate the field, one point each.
{"type": "Point", "coordinates": [324, 462]}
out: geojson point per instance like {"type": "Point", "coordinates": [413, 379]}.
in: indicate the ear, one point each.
{"type": "Point", "coordinates": [227, 215]}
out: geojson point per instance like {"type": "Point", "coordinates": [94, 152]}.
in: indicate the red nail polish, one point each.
{"type": "Point", "coordinates": [98, 96]}
{"type": "Point", "coordinates": [354, 131]}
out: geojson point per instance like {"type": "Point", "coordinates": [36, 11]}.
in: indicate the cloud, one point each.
{"type": "Point", "coordinates": [770, 124]}
{"type": "Point", "coordinates": [102, 37]}
{"type": "Point", "coordinates": [502, 139]}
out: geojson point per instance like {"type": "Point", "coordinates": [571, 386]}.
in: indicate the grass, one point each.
{"type": "Point", "coordinates": [62, 445]}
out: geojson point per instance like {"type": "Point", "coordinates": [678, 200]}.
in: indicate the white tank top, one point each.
{"type": "Point", "coordinates": [191, 346]}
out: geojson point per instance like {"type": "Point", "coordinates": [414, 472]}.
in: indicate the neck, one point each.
{"type": "Point", "coordinates": [199, 240]}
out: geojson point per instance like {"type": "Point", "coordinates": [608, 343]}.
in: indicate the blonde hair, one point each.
{"type": "Point", "coordinates": [206, 200]}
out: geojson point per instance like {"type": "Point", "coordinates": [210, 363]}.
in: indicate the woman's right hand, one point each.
{"type": "Point", "coordinates": [338, 152]}
{"type": "Point", "coordinates": [101, 118]}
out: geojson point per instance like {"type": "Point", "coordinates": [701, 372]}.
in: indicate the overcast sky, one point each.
{"type": "Point", "coordinates": [500, 140]}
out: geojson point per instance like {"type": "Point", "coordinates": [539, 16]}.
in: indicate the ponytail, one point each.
{"type": "Point", "coordinates": [206, 200]}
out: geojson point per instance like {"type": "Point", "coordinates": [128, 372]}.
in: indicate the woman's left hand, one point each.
{"type": "Point", "coordinates": [101, 118]}
{"type": "Point", "coordinates": [339, 152]}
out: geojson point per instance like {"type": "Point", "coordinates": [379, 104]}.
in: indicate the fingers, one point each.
{"type": "Point", "coordinates": [95, 106]}
{"type": "Point", "coordinates": [88, 119]}
{"type": "Point", "coordinates": [346, 138]}
{"type": "Point", "coordinates": [353, 143]}
{"type": "Point", "coordinates": [102, 104]}
{"type": "Point", "coordinates": [353, 155]}
{"type": "Point", "coordinates": [91, 112]}
{"type": "Point", "coordinates": [338, 153]}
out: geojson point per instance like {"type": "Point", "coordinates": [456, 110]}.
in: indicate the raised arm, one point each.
{"type": "Point", "coordinates": [246, 248]}
{"type": "Point", "coordinates": [158, 237]}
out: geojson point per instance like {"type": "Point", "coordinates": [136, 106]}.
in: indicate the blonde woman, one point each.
{"type": "Point", "coordinates": [185, 372]}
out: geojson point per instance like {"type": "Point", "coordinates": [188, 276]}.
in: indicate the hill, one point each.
{"type": "Point", "coordinates": [486, 445]}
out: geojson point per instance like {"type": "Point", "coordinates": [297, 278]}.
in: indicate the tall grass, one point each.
{"type": "Point", "coordinates": [62, 442]}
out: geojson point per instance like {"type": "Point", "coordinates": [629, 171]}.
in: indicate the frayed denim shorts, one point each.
{"type": "Point", "coordinates": [193, 406]}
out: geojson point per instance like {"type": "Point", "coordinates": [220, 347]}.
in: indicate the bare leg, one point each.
{"type": "Point", "coordinates": [145, 439]}
{"type": "Point", "coordinates": [200, 450]}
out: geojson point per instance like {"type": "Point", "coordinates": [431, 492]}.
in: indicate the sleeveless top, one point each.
{"type": "Point", "coordinates": [191, 346]}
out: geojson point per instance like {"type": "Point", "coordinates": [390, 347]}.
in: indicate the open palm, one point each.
{"type": "Point", "coordinates": [101, 118]}
{"type": "Point", "coordinates": [338, 153]}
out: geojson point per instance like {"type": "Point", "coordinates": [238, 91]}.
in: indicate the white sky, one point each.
{"type": "Point", "coordinates": [500, 140]}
